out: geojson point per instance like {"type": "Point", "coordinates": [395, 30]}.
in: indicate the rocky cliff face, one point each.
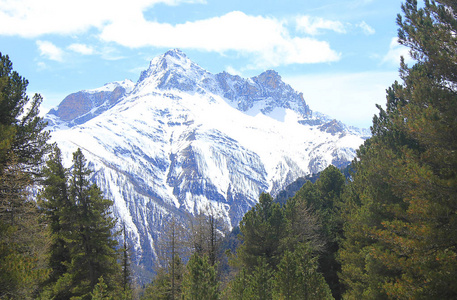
{"type": "Point", "coordinates": [267, 88]}
{"type": "Point", "coordinates": [80, 107]}
{"type": "Point", "coordinates": [183, 141]}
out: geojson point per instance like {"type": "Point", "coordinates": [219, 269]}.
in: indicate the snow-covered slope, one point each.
{"type": "Point", "coordinates": [182, 140]}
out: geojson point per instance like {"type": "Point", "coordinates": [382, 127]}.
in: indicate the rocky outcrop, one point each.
{"type": "Point", "coordinates": [80, 107]}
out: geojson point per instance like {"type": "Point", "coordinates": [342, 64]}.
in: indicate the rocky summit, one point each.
{"type": "Point", "coordinates": [184, 141]}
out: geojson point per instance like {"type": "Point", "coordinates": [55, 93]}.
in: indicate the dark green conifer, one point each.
{"type": "Point", "coordinates": [400, 241]}
{"type": "Point", "coordinates": [54, 202]}
{"type": "Point", "coordinates": [262, 229]}
{"type": "Point", "coordinates": [93, 247]}
{"type": "Point", "coordinates": [200, 281]}
{"type": "Point", "coordinates": [22, 149]}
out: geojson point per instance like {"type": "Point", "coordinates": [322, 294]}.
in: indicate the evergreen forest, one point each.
{"type": "Point", "coordinates": [385, 230]}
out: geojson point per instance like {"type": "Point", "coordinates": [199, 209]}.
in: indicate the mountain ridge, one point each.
{"type": "Point", "coordinates": [183, 141]}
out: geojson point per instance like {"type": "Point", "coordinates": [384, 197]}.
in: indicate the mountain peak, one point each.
{"type": "Point", "coordinates": [269, 78]}
{"type": "Point", "coordinates": [174, 70]}
{"type": "Point", "coordinates": [176, 53]}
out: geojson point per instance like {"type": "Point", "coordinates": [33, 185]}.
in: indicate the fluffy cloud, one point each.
{"type": "Point", "coordinates": [50, 51]}
{"type": "Point", "coordinates": [123, 22]}
{"type": "Point", "coordinates": [314, 26]}
{"type": "Point", "coordinates": [395, 52]}
{"type": "Point", "coordinates": [81, 49]}
{"type": "Point", "coordinates": [267, 38]}
{"type": "Point", "coordinates": [31, 18]}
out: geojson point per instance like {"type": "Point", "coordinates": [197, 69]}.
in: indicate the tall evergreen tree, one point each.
{"type": "Point", "coordinates": [262, 229]}
{"type": "Point", "coordinates": [83, 247]}
{"type": "Point", "coordinates": [93, 248]}
{"type": "Point", "coordinates": [126, 280]}
{"type": "Point", "coordinates": [22, 149]}
{"type": "Point", "coordinates": [200, 282]}
{"type": "Point", "coordinates": [317, 207]}
{"type": "Point", "coordinates": [21, 130]}
{"type": "Point", "coordinates": [55, 203]}
{"type": "Point", "coordinates": [261, 280]}
{"type": "Point", "coordinates": [298, 278]}
{"type": "Point", "coordinates": [400, 240]}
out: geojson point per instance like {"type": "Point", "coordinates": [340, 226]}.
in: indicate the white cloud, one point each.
{"type": "Point", "coordinates": [315, 25]}
{"type": "Point", "coordinates": [81, 49]}
{"type": "Point", "coordinates": [32, 18]}
{"type": "Point", "coordinates": [395, 52]}
{"type": "Point", "coordinates": [348, 97]}
{"type": "Point", "coordinates": [233, 71]}
{"type": "Point", "coordinates": [49, 50]}
{"type": "Point", "coordinates": [367, 29]}
{"type": "Point", "coordinates": [266, 38]}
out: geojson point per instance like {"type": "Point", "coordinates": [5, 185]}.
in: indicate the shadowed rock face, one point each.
{"type": "Point", "coordinates": [80, 107]}
{"type": "Point", "coordinates": [333, 127]}
{"type": "Point", "coordinates": [267, 87]}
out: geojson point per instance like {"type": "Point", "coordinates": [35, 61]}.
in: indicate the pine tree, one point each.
{"type": "Point", "coordinates": [22, 149]}
{"type": "Point", "coordinates": [261, 280]}
{"type": "Point", "coordinates": [297, 276]}
{"type": "Point", "coordinates": [22, 131]}
{"type": "Point", "coordinates": [54, 202]}
{"type": "Point", "coordinates": [400, 241]}
{"type": "Point", "coordinates": [262, 229]}
{"type": "Point", "coordinates": [89, 234]}
{"type": "Point", "coordinates": [101, 291]}
{"type": "Point", "coordinates": [159, 288]}
{"type": "Point", "coordinates": [126, 280]}
{"type": "Point", "coordinates": [316, 208]}
{"type": "Point", "coordinates": [200, 283]}
{"type": "Point", "coordinates": [240, 286]}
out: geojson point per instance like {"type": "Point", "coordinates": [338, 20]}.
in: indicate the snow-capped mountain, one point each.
{"type": "Point", "coordinates": [182, 140]}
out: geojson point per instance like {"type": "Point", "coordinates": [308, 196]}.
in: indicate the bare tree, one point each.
{"type": "Point", "coordinates": [207, 230]}
{"type": "Point", "coordinates": [172, 247]}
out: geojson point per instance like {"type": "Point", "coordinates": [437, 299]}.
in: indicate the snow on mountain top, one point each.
{"type": "Point", "coordinates": [127, 84]}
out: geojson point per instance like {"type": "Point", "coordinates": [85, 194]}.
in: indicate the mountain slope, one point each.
{"type": "Point", "coordinates": [182, 140]}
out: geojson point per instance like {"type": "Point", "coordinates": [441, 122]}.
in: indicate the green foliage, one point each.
{"type": "Point", "coordinates": [278, 257]}
{"type": "Point", "coordinates": [82, 249]}
{"type": "Point", "coordinates": [240, 286]}
{"type": "Point", "coordinates": [23, 239]}
{"type": "Point", "coordinates": [401, 228]}
{"type": "Point", "coordinates": [159, 289]}
{"type": "Point", "coordinates": [297, 276]}
{"type": "Point", "coordinates": [314, 216]}
{"type": "Point", "coordinates": [200, 282]}
{"type": "Point", "coordinates": [167, 283]}
{"type": "Point", "coordinates": [21, 130]}
{"type": "Point", "coordinates": [100, 291]}
{"type": "Point", "coordinates": [54, 203]}
{"type": "Point", "coordinates": [261, 228]}
{"type": "Point", "coordinates": [255, 284]}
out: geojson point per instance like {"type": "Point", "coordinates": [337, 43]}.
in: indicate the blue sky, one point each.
{"type": "Point", "coordinates": [342, 54]}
